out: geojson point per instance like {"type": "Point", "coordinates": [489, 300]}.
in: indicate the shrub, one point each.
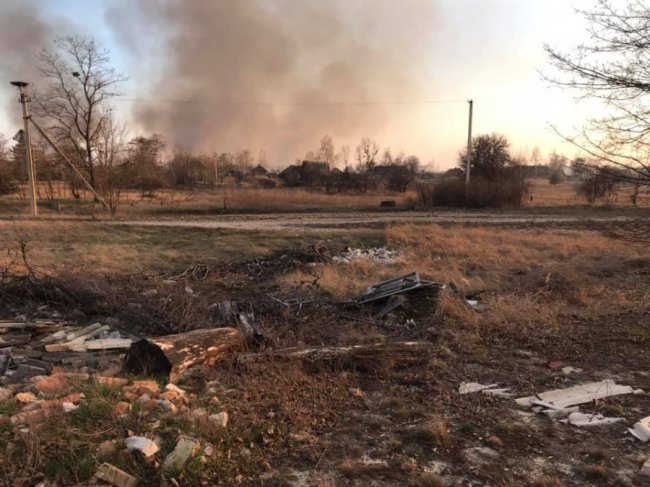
{"type": "Point", "coordinates": [7, 186]}
{"type": "Point", "coordinates": [556, 177]}
{"type": "Point", "coordinates": [481, 193]}
{"type": "Point", "coordinates": [596, 183]}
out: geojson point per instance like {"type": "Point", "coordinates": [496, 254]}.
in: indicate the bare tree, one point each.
{"type": "Point", "coordinates": [344, 155]}
{"type": "Point", "coordinates": [491, 157]}
{"type": "Point", "coordinates": [79, 82]}
{"type": "Point", "coordinates": [614, 68]}
{"type": "Point", "coordinates": [111, 149]}
{"type": "Point", "coordinates": [366, 153]}
{"type": "Point", "coordinates": [326, 152]}
{"type": "Point", "coordinates": [7, 181]}
{"type": "Point", "coordinates": [244, 160]}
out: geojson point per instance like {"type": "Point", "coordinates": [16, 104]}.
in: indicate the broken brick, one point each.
{"type": "Point", "coordinates": [150, 385]}
{"type": "Point", "coordinates": [52, 383]}
{"type": "Point", "coordinates": [122, 408]}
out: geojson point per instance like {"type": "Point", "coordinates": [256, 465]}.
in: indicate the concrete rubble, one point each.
{"type": "Point", "coordinates": [114, 476]}
{"type": "Point", "coordinates": [186, 448]}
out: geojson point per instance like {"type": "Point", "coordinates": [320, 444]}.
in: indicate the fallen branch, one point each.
{"type": "Point", "coordinates": [362, 357]}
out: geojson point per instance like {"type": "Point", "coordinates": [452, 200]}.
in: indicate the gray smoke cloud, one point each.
{"type": "Point", "coordinates": [22, 36]}
{"type": "Point", "coordinates": [228, 74]}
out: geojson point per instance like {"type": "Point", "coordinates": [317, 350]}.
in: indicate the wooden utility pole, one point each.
{"type": "Point", "coordinates": [468, 159]}
{"type": "Point", "coordinates": [24, 99]}
{"type": "Point", "coordinates": [216, 170]}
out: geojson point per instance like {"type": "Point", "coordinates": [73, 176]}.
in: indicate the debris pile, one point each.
{"type": "Point", "coordinates": [376, 255]}
{"type": "Point", "coordinates": [32, 347]}
{"type": "Point", "coordinates": [408, 297]}
{"type": "Point", "coordinates": [40, 398]}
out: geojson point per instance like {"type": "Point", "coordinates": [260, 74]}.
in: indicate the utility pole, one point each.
{"type": "Point", "coordinates": [216, 170]}
{"type": "Point", "coordinates": [469, 145]}
{"type": "Point", "coordinates": [24, 99]}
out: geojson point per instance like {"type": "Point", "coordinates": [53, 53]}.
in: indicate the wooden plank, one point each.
{"type": "Point", "coordinates": [15, 339]}
{"type": "Point", "coordinates": [54, 337]}
{"type": "Point", "coordinates": [91, 334]}
{"type": "Point", "coordinates": [108, 343]}
{"type": "Point", "coordinates": [57, 347]}
{"type": "Point", "coordinates": [82, 331]}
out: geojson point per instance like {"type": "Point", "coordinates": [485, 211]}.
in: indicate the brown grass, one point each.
{"type": "Point", "coordinates": [545, 194]}
{"type": "Point", "coordinates": [294, 199]}
{"type": "Point", "coordinates": [530, 277]}
{"type": "Point", "coordinates": [201, 201]}
{"type": "Point", "coordinates": [97, 248]}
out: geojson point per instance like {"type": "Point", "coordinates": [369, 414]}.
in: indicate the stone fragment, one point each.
{"type": "Point", "coordinates": [220, 419]}
{"type": "Point", "coordinates": [185, 448]}
{"type": "Point", "coordinates": [114, 476]}
{"type": "Point", "coordinates": [122, 408]}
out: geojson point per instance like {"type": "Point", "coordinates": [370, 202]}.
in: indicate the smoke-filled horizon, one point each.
{"type": "Point", "coordinates": [279, 75]}
{"type": "Point", "coordinates": [218, 76]}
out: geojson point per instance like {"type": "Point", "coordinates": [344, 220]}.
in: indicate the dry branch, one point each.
{"type": "Point", "coordinates": [362, 357]}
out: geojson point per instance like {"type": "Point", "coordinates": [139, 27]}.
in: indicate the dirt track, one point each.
{"type": "Point", "coordinates": [306, 222]}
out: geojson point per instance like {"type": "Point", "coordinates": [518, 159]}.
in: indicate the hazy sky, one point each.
{"type": "Point", "coordinates": [291, 71]}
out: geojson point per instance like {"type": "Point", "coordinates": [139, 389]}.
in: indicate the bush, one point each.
{"type": "Point", "coordinates": [595, 184]}
{"type": "Point", "coordinates": [481, 194]}
{"type": "Point", "coordinates": [7, 186]}
{"type": "Point", "coordinates": [556, 177]}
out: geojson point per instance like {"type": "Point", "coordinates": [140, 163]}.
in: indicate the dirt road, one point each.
{"type": "Point", "coordinates": [318, 221]}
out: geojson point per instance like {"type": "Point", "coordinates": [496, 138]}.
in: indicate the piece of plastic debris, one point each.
{"type": "Point", "coordinates": [491, 390]}
{"type": "Point", "coordinates": [556, 413]}
{"type": "Point", "coordinates": [580, 394]}
{"type": "Point", "coordinates": [502, 393]}
{"type": "Point", "coordinates": [141, 444]}
{"type": "Point", "coordinates": [568, 370]}
{"type": "Point", "coordinates": [641, 429]}
{"type": "Point", "coordinates": [582, 419]}
{"type": "Point", "coordinates": [470, 387]}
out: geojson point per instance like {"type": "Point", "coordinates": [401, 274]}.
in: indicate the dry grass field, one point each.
{"type": "Point", "coordinates": [205, 202]}
{"type": "Point", "coordinates": [550, 295]}
{"type": "Point", "coordinates": [545, 194]}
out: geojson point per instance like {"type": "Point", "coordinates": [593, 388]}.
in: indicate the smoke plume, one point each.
{"type": "Point", "coordinates": [22, 36]}
{"type": "Point", "coordinates": [228, 74]}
